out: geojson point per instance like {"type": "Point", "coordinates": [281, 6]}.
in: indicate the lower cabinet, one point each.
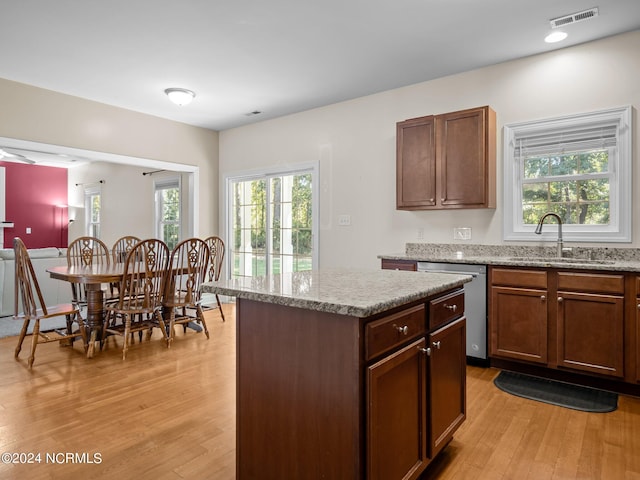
{"type": "Point", "coordinates": [559, 319]}
{"type": "Point", "coordinates": [519, 324]}
{"type": "Point", "coordinates": [416, 400]}
{"type": "Point", "coordinates": [447, 383]}
{"type": "Point", "coordinates": [637, 325]}
{"type": "Point", "coordinates": [397, 414]}
{"type": "Point", "coordinates": [591, 333]}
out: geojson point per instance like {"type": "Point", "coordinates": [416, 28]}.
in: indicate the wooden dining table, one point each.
{"type": "Point", "coordinates": [93, 277]}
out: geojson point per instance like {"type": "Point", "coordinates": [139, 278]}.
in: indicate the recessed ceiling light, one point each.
{"type": "Point", "coordinates": [556, 36]}
{"type": "Point", "coordinates": [180, 96]}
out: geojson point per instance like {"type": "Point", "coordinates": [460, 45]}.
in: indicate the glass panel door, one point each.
{"type": "Point", "coordinates": [272, 224]}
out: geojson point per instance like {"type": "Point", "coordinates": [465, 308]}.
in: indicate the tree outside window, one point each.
{"type": "Point", "coordinates": [92, 203]}
{"type": "Point", "coordinates": [168, 212]}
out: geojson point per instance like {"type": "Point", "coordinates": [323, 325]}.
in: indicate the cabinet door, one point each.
{"type": "Point", "coordinates": [396, 415]}
{"type": "Point", "coordinates": [463, 144]}
{"type": "Point", "coordinates": [447, 383]}
{"type": "Point", "coordinates": [518, 323]}
{"type": "Point", "coordinates": [415, 163]}
{"type": "Point", "coordinates": [638, 338]}
{"type": "Point", "coordinates": [591, 333]}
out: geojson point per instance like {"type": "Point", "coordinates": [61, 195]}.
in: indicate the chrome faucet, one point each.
{"type": "Point", "coordinates": [559, 220]}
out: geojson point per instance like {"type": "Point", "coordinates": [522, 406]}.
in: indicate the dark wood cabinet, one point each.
{"type": "Point", "coordinates": [416, 163]}
{"type": "Point", "coordinates": [518, 314]}
{"type": "Point", "coordinates": [447, 383]}
{"type": "Point", "coordinates": [519, 323]}
{"type": "Point", "coordinates": [390, 264]}
{"type": "Point", "coordinates": [416, 395]}
{"type": "Point", "coordinates": [326, 395]}
{"type": "Point", "coordinates": [590, 322]}
{"type": "Point", "coordinates": [591, 333]}
{"type": "Point", "coordinates": [447, 161]}
{"type": "Point", "coordinates": [559, 319]}
{"type": "Point", "coordinates": [637, 328]}
{"type": "Point", "coordinates": [397, 414]}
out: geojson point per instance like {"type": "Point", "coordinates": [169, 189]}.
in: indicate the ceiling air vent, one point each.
{"type": "Point", "coordinates": [574, 18]}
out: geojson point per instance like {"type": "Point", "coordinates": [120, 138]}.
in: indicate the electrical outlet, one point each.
{"type": "Point", "coordinates": [344, 220]}
{"type": "Point", "coordinates": [421, 234]}
{"type": "Point", "coordinates": [462, 233]}
{"type": "Point", "coordinates": [28, 230]}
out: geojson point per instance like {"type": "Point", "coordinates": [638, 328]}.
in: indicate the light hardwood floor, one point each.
{"type": "Point", "coordinates": [170, 414]}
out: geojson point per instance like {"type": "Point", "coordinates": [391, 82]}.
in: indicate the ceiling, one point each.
{"type": "Point", "coordinates": [275, 57]}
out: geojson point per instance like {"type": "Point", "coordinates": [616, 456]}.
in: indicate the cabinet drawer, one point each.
{"type": "Point", "coordinates": [444, 309]}
{"type": "Point", "coordinates": [519, 278]}
{"type": "Point", "coordinates": [388, 332]}
{"type": "Point", "coordinates": [399, 265]}
{"type": "Point", "coordinates": [590, 283]}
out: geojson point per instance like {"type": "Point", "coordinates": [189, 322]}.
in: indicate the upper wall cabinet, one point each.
{"type": "Point", "coordinates": [447, 161]}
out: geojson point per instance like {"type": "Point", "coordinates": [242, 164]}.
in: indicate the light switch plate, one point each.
{"type": "Point", "coordinates": [462, 233]}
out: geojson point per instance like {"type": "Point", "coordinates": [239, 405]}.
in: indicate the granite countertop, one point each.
{"type": "Point", "coordinates": [582, 258]}
{"type": "Point", "coordinates": [359, 293]}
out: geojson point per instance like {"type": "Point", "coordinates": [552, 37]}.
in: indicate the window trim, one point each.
{"type": "Point", "coordinates": [230, 178]}
{"type": "Point", "coordinates": [620, 228]}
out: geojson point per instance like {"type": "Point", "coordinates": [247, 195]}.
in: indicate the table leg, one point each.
{"type": "Point", "coordinates": [95, 315]}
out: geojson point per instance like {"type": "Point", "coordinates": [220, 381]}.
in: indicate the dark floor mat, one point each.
{"type": "Point", "coordinates": [557, 393]}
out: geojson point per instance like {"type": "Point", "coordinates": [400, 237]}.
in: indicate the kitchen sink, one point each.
{"type": "Point", "coordinates": [561, 260]}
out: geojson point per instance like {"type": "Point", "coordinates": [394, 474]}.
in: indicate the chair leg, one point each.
{"type": "Point", "coordinates": [23, 333]}
{"type": "Point", "coordinates": [171, 333]}
{"type": "Point", "coordinates": [220, 307]}
{"type": "Point", "coordinates": [70, 328]}
{"type": "Point", "coordinates": [200, 317]}
{"type": "Point", "coordinates": [34, 342]}
{"type": "Point", "coordinates": [127, 328]}
{"type": "Point", "coordinates": [163, 326]}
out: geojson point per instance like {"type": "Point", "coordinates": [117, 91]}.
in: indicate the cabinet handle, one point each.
{"type": "Point", "coordinates": [639, 305]}
{"type": "Point", "coordinates": [543, 298]}
{"type": "Point", "coordinates": [402, 330]}
{"type": "Point", "coordinates": [436, 345]}
{"type": "Point", "coordinates": [560, 299]}
{"type": "Point", "coordinates": [432, 200]}
{"type": "Point", "coordinates": [426, 351]}
{"type": "Point", "coordinates": [453, 308]}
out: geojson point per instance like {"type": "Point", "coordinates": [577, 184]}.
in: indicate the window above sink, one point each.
{"type": "Point", "coordinates": [577, 166]}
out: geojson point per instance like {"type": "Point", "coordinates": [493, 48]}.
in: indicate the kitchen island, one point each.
{"type": "Point", "coordinates": [345, 374]}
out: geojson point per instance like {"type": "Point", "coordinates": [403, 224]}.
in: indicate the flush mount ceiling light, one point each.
{"type": "Point", "coordinates": [556, 36]}
{"type": "Point", "coordinates": [180, 96]}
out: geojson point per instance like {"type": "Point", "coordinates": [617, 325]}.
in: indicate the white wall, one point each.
{"type": "Point", "coordinates": [354, 142]}
{"type": "Point", "coordinates": [37, 115]}
{"type": "Point", "coordinates": [127, 200]}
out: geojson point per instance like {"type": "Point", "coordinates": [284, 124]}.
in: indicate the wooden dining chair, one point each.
{"type": "Point", "coordinates": [122, 247]}
{"type": "Point", "coordinates": [188, 270]}
{"type": "Point", "coordinates": [30, 306]}
{"type": "Point", "coordinates": [139, 304]}
{"type": "Point", "coordinates": [85, 251]}
{"type": "Point", "coordinates": [216, 257]}
{"type": "Point", "coordinates": [119, 252]}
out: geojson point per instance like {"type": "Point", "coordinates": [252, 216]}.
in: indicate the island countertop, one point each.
{"type": "Point", "coordinates": [359, 293]}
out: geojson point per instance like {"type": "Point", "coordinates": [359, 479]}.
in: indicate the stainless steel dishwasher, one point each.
{"type": "Point", "coordinates": [475, 305]}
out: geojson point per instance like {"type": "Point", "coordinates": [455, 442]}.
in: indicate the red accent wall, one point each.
{"type": "Point", "coordinates": [36, 198]}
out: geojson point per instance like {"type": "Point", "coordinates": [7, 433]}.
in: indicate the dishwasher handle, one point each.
{"type": "Point", "coordinates": [455, 272]}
